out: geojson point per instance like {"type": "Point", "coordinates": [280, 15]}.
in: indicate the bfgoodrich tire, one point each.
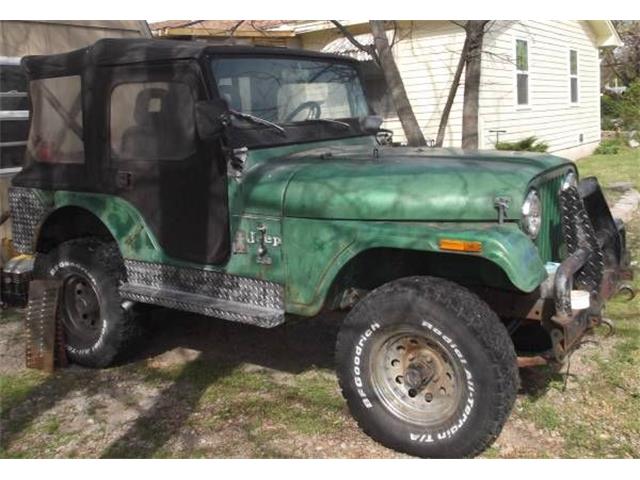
{"type": "Point", "coordinates": [98, 331]}
{"type": "Point", "coordinates": [427, 368]}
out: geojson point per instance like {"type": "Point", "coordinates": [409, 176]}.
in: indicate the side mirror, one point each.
{"type": "Point", "coordinates": [371, 123]}
{"type": "Point", "coordinates": [211, 118]}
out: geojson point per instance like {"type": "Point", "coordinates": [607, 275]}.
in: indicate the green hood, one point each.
{"type": "Point", "coordinates": [401, 183]}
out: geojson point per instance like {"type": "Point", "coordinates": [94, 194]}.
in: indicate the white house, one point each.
{"type": "Point", "coordinates": [538, 78]}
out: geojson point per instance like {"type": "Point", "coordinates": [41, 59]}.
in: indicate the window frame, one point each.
{"type": "Point", "coordinates": [117, 159]}
{"type": "Point", "coordinates": [518, 72]}
{"type": "Point", "coordinates": [575, 76]}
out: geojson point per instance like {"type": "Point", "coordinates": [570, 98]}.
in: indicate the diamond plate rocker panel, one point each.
{"type": "Point", "coordinates": [216, 294]}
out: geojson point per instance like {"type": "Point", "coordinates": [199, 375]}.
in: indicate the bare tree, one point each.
{"type": "Point", "coordinates": [470, 62]}
{"type": "Point", "coordinates": [475, 36]}
{"type": "Point", "coordinates": [444, 119]}
{"type": "Point", "coordinates": [624, 62]}
{"type": "Point", "coordinates": [382, 53]}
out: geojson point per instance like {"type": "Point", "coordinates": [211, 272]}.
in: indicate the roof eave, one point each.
{"type": "Point", "coordinates": [606, 34]}
{"type": "Point", "coordinates": [203, 32]}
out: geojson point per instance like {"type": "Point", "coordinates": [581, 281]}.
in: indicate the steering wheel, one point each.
{"type": "Point", "coordinates": [313, 107]}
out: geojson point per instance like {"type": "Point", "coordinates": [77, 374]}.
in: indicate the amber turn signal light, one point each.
{"type": "Point", "coordinates": [459, 245]}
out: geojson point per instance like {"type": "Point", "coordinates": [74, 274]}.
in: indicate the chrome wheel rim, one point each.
{"type": "Point", "coordinates": [415, 376]}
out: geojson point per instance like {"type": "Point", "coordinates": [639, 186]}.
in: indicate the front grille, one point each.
{"type": "Point", "coordinates": [550, 241]}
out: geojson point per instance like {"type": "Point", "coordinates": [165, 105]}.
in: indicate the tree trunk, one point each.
{"type": "Point", "coordinates": [444, 119]}
{"type": "Point", "coordinates": [475, 36]}
{"type": "Point", "coordinates": [392, 75]}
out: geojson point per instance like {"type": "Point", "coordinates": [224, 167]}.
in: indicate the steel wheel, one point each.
{"type": "Point", "coordinates": [415, 377]}
{"type": "Point", "coordinates": [81, 310]}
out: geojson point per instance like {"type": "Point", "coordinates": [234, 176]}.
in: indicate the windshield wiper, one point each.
{"type": "Point", "coordinates": [258, 121]}
{"type": "Point", "coordinates": [329, 120]}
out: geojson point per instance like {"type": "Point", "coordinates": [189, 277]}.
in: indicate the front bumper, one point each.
{"type": "Point", "coordinates": [598, 262]}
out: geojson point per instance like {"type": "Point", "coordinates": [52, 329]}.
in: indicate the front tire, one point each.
{"type": "Point", "coordinates": [98, 331]}
{"type": "Point", "coordinates": [427, 368]}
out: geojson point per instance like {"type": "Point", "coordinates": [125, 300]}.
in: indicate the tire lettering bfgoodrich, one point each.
{"type": "Point", "coordinates": [356, 363]}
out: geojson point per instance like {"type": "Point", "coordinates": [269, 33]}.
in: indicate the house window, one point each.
{"type": "Point", "coordinates": [152, 121]}
{"type": "Point", "coordinates": [522, 72]}
{"type": "Point", "coordinates": [573, 75]}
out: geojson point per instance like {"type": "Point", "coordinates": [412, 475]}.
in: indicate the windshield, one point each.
{"type": "Point", "coordinates": [288, 90]}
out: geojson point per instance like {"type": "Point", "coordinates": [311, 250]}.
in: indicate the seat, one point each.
{"type": "Point", "coordinates": [142, 140]}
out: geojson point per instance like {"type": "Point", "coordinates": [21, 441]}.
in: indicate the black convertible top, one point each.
{"type": "Point", "coordinates": [122, 51]}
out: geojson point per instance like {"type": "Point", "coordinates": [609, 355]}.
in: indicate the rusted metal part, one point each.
{"type": "Point", "coordinates": [60, 360]}
{"type": "Point", "coordinates": [40, 323]}
{"type": "Point", "coordinates": [535, 361]}
{"type": "Point", "coordinates": [566, 331]}
{"type": "Point", "coordinates": [628, 290]}
{"type": "Point", "coordinates": [511, 305]}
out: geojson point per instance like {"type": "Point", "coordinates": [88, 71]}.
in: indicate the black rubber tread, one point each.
{"type": "Point", "coordinates": [485, 327]}
{"type": "Point", "coordinates": [104, 261]}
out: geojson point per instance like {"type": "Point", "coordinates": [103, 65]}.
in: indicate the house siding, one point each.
{"type": "Point", "coordinates": [550, 115]}
{"type": "Point", "coordinates": [427, 55]}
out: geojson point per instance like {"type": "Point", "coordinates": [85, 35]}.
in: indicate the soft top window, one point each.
{"type": "Point", "coordinates": [56, 134]}
{"type": "Point", "coordinates": [152, 121]}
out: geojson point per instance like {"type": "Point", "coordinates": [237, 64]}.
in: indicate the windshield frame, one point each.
{"type": "Point", "coordinates": [256, 136]}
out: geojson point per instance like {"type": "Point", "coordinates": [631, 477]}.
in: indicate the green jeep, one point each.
{"type": "Point", "coordinates": [254, 185]}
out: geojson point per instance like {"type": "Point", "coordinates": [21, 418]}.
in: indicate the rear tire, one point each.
{"type": "Point", "coordinates": [98, 331]}
{"type": "Point", "coordinates": [427, 368]}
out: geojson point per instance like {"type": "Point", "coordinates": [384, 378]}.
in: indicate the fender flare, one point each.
{"type": "Point", "coordinates": [504, 245]}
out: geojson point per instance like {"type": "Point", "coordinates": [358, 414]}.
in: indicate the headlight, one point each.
{"type": "Point", "coordinates": [532, 214]}
{"type": "Point", "coordinates": [570, 180]}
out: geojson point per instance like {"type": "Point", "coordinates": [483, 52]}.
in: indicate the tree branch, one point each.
{"type": "Point", "coordinates": [371, 50]}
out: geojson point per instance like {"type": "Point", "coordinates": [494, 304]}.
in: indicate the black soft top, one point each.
{"type": "Point", "coordinates": [122, 51]}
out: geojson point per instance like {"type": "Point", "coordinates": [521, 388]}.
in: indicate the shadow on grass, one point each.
{"type": "Point", "coordinates": [535, 382]}
{"type": "Point", "coordinates": [19, 411]}
{"type": "Point", "coordinates": [154, 427]}
{"type": "Point", "coordinates": [294, 348]}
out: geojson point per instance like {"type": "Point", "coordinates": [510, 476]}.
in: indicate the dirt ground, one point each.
{"type": "Point", "coordinates": [208, 388]}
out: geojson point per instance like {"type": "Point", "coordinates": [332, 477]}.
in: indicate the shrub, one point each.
{"type": "Point", "coordinates": [608, 147]}
{"type": "Point", "coordinates": [529, 144]}
{"type": "Point", "coordinates": [622, 111]}
{"type": "Point", "coordinates": [629, 107]}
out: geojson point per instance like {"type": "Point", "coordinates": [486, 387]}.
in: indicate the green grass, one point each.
{"type": "Point", "coordinates": [598, 414]}
{"type": "Point", "coordinates": [15, 388]}
{"type": "Point", "coordinates": [623, 167]}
